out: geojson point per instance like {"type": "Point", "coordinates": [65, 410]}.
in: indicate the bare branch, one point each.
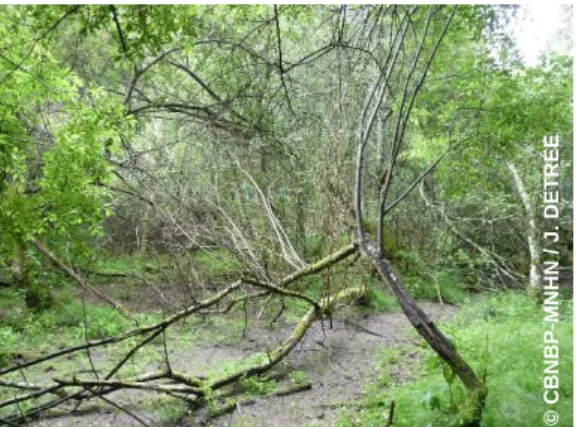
{"type": "Point", "coordinates": [423, 175]}
{"type": "Point", "coordinates": [280, 63]}
{"type": "Point", "coordinates": [495, 258]}
{"type": "Point", "coordinates": [55, 260]}
{"type": "Point", "coordinates": [119, 29]}
{"type": "Point", "coordinates": [138, 72]}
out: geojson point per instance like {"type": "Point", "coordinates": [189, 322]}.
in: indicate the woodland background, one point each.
{"type": "Point", "coordinates": [173, 168]}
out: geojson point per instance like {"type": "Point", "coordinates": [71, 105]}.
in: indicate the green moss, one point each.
{"type": "Point", "coordinates": [258, 386]}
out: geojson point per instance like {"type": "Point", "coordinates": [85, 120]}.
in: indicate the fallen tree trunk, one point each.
{"type": "Point", "coordinates": [295, 337]}
{"type": "Point", "coordinates": [182, 386]}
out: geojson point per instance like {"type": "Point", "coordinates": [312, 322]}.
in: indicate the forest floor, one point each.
{"type": "Point", "coordinates": [338, 362]}
{"type": "Point", "coordinates": [336, 356]}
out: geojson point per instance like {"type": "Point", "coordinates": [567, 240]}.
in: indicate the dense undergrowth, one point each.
{"type": "Point", "coordinates": [26, 334]}
{"type": "Point", "coordinates": [501, 336]}
{"type": "Point", "coordinates": [66, 320]}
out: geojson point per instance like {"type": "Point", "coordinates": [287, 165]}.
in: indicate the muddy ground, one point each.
{"type": "Point", "coordinates": [337, 357]}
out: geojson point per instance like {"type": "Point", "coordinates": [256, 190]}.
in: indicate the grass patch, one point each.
{"type": "Point", "coordinates": [217, 263]}
{"type": "Point", "coordinates": [233, 366]}
{"type": "Point", "coordinates": [258, 385]}
{"type": "Point", "coordinates": [171, 411]}
{"type": "Point", "coordinates": [29, 333]}
{"type": "Point", "coordinates": [297, 377]}
{"type": "Point", "coordinates": [500, 335]}
{"type": "Point", "coordinates": [380, 302]}
{"type": "Point", "coordinates": [125, 264]}
{"type": "Point", "coordinates": [433, 286]}
{"type": "Point", "coordinates": [125, 269]}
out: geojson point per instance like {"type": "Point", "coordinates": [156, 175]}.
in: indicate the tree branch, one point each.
{"type": "Point", "coordinates": [119, 29]}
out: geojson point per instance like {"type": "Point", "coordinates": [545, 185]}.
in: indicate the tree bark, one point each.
{"type": "Point", "coordinates": [427, 330]}
{"type": "Point", "coordinates": [532, 234]}
{"type": "Point", "coordinates": [145, 231]}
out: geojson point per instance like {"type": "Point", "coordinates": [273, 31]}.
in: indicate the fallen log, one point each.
{"type": "Point", "coordinates": [225, 409]}
{"type": "Point", "coordinates": [182, 386]}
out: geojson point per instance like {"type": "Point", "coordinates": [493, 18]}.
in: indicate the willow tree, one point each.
{"type": "Point", "coordinates": [407, 65]}
{"type": "Point", "coordinates": [257, 92]}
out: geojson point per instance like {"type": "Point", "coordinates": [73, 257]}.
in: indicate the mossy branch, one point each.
{"type": "Point", "coordinates": [183, 385]}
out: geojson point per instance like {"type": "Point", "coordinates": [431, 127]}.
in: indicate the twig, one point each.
{"type": "Point", "coordinates": [138, 72]}
{"type": "Point", "coordinates": [363, 328]}
{"type": "Point", "coordinates": [391, 415]}
{"type": "Point", "coordinates": [164, 344]}
{"type": "Point", "coordinates": [251, 400]}
{"type": "Point", "coordinates": [126, 411]}
{"type": "Point", "coordinates": [85, 323]}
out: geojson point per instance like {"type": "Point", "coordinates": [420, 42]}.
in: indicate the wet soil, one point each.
{"type": "Point", "coordinates": [337, 357]}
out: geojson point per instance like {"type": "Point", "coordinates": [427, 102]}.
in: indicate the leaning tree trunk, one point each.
{"type": "Point", "coordinates": [380, 104]}
{"type": "Point", "coordinates": [427, 329]}
{"type": "Point", "coordinates": [532, 235]}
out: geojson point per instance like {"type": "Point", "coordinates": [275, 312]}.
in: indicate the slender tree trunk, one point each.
{"type": "Point", "coordinates": [20, 268]}
{"type": "Point", "coordinates": [145, 225]}
{"type": "Point", "coordinates": [37, 295]}
{"type": "Point", "coordinates": [70, 272]}
{"type": "Point", "coordinates": [301, 223]}
{"type": "Point", "coordinates": [532, 234]}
